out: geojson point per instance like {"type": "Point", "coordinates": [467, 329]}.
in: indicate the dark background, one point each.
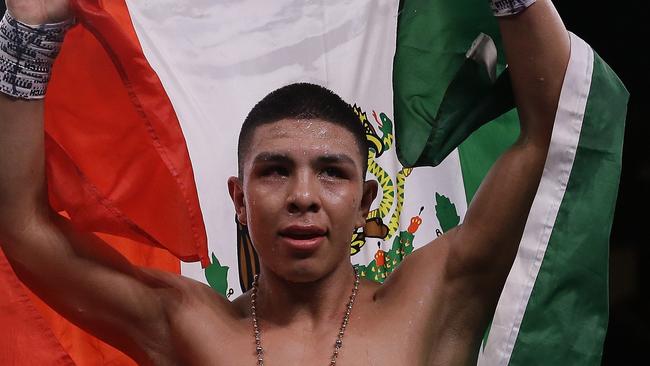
{"type": "Point", "coordinates": [615, 30]}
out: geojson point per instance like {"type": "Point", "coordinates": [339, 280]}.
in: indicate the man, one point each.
{"type": "Point", "coordinates": [301, 191]}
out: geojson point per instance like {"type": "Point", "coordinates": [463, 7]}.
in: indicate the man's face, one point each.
{"type": "Point", "coordinates": [302, 195]}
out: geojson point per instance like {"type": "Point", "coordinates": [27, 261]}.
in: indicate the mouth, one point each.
{"type": "Point", "coordinates": [303, 237]}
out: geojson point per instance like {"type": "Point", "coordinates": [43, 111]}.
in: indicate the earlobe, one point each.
{"type": "Point", "coordinates": [237, 195]}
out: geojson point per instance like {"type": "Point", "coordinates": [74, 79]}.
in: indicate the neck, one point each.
{"type": "Point", "coordinates": [282, 302]}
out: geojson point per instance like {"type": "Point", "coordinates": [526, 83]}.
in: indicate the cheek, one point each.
{"type": "Point", "coordinates": [348, 194]}
{"type": "Point", "coordinates": [343, 204]}
{"type": "Point", "coordinates": [260, 227]}
{"type": "Point", "coordinates": [260, 206]}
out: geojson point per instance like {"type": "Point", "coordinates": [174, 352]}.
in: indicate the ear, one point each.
{"type": "Point", "coordinates": [236, 191]}
{"type": "Point", "coordinates": [369, 194]}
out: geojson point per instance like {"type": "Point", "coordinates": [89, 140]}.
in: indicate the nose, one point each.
{"type": "Point", "coordinates": [303, 194]}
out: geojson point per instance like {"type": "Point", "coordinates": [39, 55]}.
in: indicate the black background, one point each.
{"type": "Point", "coordinates": [617, 31]}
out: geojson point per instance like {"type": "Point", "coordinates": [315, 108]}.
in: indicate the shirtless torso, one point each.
{"type": "Point", "coordinates": [426, 329]}
{"type": "Point", "coordinates": [301, 178]}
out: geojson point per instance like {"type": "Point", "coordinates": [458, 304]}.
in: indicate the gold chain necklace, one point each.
{"type": "Point", "coordinates": [339, 338]}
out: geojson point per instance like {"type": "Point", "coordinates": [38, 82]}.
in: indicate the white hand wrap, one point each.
{"type": "Point", "coordinates": [502, 8]}
{"type": "Point", "coordinates": [26, 56]}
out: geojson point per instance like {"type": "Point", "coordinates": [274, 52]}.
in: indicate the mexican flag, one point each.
{"type": "Point", "coordinates": [144, 109]}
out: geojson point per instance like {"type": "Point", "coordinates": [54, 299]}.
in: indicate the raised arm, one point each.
{"type": "Point", "coordinates": [537, 51]}
{"type": "Point", "coordinates": [76, 273]}
{"type": "Point", "coordinates": [462, 273]}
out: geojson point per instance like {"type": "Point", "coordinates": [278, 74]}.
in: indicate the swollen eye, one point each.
{"type": "Point", "coordinates": [276, 170]}
{"type": "Point", "coordinates": [333, 172]}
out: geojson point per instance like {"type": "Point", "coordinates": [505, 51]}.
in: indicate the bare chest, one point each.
{"type": "Point", "coordinates": [295, 347]}
{"type": "Point", "coordinates": [371, 338]}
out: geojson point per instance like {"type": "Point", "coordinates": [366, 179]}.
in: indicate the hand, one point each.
{"type": "Point", "coordinates": [36, 12]}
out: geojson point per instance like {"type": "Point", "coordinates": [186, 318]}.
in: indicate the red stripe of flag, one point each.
{"type": "Point", "coordinates": [117, 163]}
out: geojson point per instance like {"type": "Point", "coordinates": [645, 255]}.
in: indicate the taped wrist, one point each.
{"type": "Point", "coordinates": [27, 53]}
{"type": "Point", "coordinates": [502, 8]}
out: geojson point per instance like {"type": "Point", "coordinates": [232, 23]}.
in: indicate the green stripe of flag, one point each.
{"type": "Point", "coordinates": [430, 72]}
{"type": "Point", "coordinates": [566, 317]}
{"type": "Point", "coordinates": [557, 327]}
{"type": "Point", "coordinates": [483, 147]}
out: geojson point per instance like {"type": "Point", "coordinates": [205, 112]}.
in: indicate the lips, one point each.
{"type": "Point", "coordinates": [302, 232]}
{"type": "Point", "coordinates": [303, 237]}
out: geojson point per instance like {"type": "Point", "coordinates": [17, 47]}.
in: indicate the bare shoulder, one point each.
{"type": "Point", "coordinates": [199, 320]}
{"type": "Point", "coordinates": [432, 284]}
{"type": "Point", "coordinates": [180, 292]}
{"type": "Point", "coordinates": [431, 300]}
{"type": "Point", "coordinates": [420, 273]}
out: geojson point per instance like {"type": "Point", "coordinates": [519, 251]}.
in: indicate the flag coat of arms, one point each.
{"type": "Point", "coordinates": [143, 113]}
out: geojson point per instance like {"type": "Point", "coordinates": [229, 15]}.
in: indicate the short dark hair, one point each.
{"type": "Point", "coordinates": [302, 101]}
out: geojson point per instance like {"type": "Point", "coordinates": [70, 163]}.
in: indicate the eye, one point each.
{"type": "Point", "coordinates": [333, 172]}
{"type": "Point", "coordinates": [275, 170]}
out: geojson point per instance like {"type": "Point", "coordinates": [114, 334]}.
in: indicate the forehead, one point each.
{"type": "Point", "coordinates": [304, 137]}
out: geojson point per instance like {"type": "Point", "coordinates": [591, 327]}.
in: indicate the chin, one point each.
{"type": "Point", "coordinates": [297, 267]}
{"type": "Point", "coordinates": [303, 271]}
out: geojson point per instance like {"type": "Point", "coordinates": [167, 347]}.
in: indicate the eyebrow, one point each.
{"type": "Point", "coordinates": [271, 157]}
{"type": "Point", "coordinates": [335, 159]}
